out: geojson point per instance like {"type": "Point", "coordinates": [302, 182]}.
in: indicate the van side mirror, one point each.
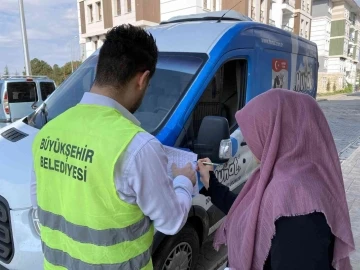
{"type": "Point", "coordinates": [214, 139]}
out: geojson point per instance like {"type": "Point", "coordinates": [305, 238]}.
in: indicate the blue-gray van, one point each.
{"type": "Point", "coordinates": [210, 65]}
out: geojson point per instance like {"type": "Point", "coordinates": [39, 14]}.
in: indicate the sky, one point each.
{"type": "Point", "coordinates": [52, 30]}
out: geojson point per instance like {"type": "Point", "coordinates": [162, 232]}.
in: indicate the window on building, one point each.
{"type": "Point", "coordinates": [99, 11]}
{"type": "Point", "coordinates": [118, 7]}
{"type": "Point", "coordinates": [128, 3]}
{"type": "Point", "coordinates": [96, 44]}
{"type": "Point", "coordinates": [90, 13]}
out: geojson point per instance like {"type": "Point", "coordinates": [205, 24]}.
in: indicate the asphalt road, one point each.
{"type": "Point", "coordinates": [343, 115]}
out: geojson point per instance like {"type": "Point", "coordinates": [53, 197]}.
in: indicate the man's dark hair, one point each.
{"type": "Point", "coordinates": [126, 51]}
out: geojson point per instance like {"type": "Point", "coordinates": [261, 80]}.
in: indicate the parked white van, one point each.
{"type": "Point", "coordinates": [21, 95]}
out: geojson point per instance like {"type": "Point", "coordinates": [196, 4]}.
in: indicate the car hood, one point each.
{"type": "Point", "coordinates": [16, 166]}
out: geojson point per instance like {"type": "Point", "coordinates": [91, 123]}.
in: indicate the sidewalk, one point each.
{"type": "Point", "coordinates": [351, 173]}
{"type": "Point", "coordinates": [320, 98]}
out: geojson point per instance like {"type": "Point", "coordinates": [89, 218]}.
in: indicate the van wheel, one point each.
{"type": "Point", "coordinates": [178, 252]}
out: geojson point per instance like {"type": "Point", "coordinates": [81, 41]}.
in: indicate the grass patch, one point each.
{"type": "Point", "coordinates": [346, 90]}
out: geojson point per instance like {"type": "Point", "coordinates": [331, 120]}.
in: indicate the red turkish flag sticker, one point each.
{"type": "Point", "coordinates": [279, 64]}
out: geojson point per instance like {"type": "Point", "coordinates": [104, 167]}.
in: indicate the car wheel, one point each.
{"type": "Point", "coordinates": [178, 252]}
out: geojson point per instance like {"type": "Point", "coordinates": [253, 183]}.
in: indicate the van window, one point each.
{"type": "Point", "coordinates": [46, 89]}
{"type": "Point", "coordinates": [224, 96]}
{"type": "Point", "coordinates": [21, 92]}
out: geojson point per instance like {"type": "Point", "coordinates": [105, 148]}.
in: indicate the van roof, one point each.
{"type": "Point", "coordinates": [224, 15]}
{"type": "Point", "coordinates": [24, 78]}
{"type": "Point", "coordinates": [200, 33]}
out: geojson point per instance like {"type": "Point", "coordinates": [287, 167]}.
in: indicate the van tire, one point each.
{"type": "Point", "coordinates": [174, 247]}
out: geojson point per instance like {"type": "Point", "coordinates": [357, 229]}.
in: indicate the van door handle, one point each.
{"type": "Point", "coordinates": [34, 106]}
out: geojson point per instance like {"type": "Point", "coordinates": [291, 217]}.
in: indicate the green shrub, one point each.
{"type": "Point", "coordinates": [328, 86]}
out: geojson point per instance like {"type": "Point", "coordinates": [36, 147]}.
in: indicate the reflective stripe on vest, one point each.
{"type": "Point", "coordinates": [85, 234]}
{"type": "Point", "coordinates": [60, 258]}
{"type": "Point", "coordinates": [84, 223]}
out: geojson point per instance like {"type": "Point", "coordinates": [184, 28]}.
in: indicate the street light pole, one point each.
{"type": "Point", "coordinates": [72, 65]}
{"type": "Point", "coordinates": [24, 39]}
{"type": "Point", "coordinates": [71, 46]}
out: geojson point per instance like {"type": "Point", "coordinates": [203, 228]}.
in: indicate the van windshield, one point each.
{"type": "Point", "coordinates": [174, 74]}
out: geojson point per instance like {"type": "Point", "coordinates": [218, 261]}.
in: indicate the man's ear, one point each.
{"type": "Point", "coordinates": [144, 80]}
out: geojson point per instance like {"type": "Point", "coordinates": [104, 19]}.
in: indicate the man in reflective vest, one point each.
{"type": "Point", "coordinates": [101, 182]}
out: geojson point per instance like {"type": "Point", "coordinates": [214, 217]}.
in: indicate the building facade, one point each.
{"type": "Point", "coordinates": [96, 17]}
{"type": "Point", "coordinates": [291, 15]}
{"type": "Point", "coordinates": [335, 30]}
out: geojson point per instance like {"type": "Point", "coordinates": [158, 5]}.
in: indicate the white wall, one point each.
{"type": "Point", "coordinates": [277, 13]}
{"type": "Point", "coordinates": [320, 34]}
{"type": "Point", "coordinates": [172, 8]}
{"type": "Point", "coordinates": [336, 65]}
{"type": "Point", "coordinates": [89, 47]}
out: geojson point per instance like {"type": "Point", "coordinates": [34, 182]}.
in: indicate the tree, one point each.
{"type": "Point", "coordinates": [328, 86]}
{"type": "Point", "coordinates": [16, 73]}
{"type": "Point", "coordinates": [334, 87]}
{"type": "Point", "coordinates": [57, 76]}
{"type": "Point", "coordinates": [6, 71]}
{"type": "Point", "coordinates": [40, 67]}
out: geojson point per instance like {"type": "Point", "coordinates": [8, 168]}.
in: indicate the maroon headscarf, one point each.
{"type": "Point", "coordinates": [299, 174]}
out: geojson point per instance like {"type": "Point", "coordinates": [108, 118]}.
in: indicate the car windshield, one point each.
{"type": "Point", "coordinates": [174, 73]}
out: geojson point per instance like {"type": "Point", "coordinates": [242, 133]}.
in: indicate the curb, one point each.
{"type": "Point", "coordinates": [321, 100]}
{"type": "Point", "coordinates": [221, 264]}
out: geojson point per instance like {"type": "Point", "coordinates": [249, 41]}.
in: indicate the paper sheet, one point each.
{"type": "Point", "coordinates": [181, 158]}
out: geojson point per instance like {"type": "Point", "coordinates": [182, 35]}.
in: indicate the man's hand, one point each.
{"type": "Point", "coordinates": [187, 171]}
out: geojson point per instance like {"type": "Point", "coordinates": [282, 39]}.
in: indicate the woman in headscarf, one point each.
{"type": "Point", "coordinates": [292, 212]}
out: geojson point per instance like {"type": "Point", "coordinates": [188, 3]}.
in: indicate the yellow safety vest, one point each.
{"type": "Point", "coordinates": [84, 223]}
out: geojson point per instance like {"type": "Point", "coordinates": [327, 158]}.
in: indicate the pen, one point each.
{"type": "Point", "coordinates": [211, 164]}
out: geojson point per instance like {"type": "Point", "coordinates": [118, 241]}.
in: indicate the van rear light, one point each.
{"type": "Point", "coordinates": [6, 103]}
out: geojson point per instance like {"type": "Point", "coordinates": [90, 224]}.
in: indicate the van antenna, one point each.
{"type": "Point", "coordinates": [228, 11]}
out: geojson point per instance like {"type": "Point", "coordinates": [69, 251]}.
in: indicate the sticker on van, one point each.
{"type": "Point", "coordinates": [280, 73]}
{"type": "Point", "coordinates": [305, 82]}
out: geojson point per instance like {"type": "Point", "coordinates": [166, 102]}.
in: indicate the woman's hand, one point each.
{"type": "Point", "coordinates": [204, 171]}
